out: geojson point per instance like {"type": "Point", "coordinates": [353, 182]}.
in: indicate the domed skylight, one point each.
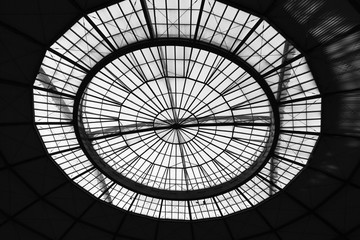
{"type": "Point", "coordinates": [177, 109]}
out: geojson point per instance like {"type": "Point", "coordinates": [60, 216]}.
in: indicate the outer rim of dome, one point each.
{"type": "Point", "coordinates": [167, 194]}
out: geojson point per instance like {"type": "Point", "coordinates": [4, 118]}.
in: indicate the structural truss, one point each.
{"type": "Point", "coordinates": [177, 109]}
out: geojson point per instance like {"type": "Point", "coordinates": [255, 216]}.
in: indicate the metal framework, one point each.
{"type": "Point", "coordinates": [177, 110]}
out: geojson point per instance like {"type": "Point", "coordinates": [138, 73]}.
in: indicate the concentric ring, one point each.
{"type": "Point", "coordinates": [157, 115]}
{"type": "Point", "coordinates": [225, 116]}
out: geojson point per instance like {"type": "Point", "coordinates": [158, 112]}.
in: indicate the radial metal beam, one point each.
{"type": "Point", "coordinates": [284, 78]}
{"type": "Point", "coordinates": [147, 18]}
{"type": "Point", "coordinates": [199, 19]}
{"type": "Point", "coordinates": [182, 153]}
{"type": "Point", "coordinates": [67, 113]}
{"type": "Point", "coordinates": [236, 120]}
{"type": "Point", "coordinates": [285, 71]}
{"type": "Point", "coordinates": [167, 82]}
{"type": "Point", "coordinates": [59, 101]}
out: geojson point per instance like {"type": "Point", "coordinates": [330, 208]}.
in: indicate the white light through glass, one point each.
{"type": "Point", "coordinates": [177, 118]}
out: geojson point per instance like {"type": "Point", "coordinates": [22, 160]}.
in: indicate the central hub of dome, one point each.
{"type": "Point", "coordinates": [179, 122]}
{"type": "Point", "coordinates": [183, 126]}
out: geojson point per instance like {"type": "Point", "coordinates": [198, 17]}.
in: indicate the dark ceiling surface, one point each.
{"type": "Point", "coordinates": [38, 202]}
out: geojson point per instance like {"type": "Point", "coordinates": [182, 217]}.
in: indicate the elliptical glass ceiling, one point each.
{"type": "Point", "coordinates": [177, 109]}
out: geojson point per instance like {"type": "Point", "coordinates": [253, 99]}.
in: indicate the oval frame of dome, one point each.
{"type": "Point", "coordinates": [177, 112]}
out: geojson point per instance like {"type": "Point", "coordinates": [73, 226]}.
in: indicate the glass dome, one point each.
{"type": "Point", "coordinates": [176, 110]}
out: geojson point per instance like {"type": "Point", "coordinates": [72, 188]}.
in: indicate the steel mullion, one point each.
{"type": "Point", "coordinates": [247, 104]}
{"type": "Point", "coordinates": [257, 129]}
{"type": "Point", "coordinates": [91, 93]}
{"type": "Point", "coordinates": [204, 129]}
{"type": "Point", "coordinates": [128, 23]}
{"type": "Point", "coordinates": [128, 168]}
{"type": "Point", "coordinates": [285, 63]}
{"type": "Point", "coordinates": [207, 175]}
{"type": "Point", "coordinates": [111, 152]}
{"type": "Point", "coordinates": [202, 170]}
{"type": "Point", "coordinates": [263, 44]}
{"type": "Point", "coordinates": [63, 56]}
{"type": "Point", "coordinates": [249, 145]}
{"type": "Point", "coordinates": [206, 81]}
{"type": "Point", "coordinates": [252, 30]}
{"type": "Point", "coordinates": [182, 155]}
{"type": "Point", "coordinates": [209, 142]}
{"type": "Point", "coordinates": [104, 24]}
{"type": "Point", "coordinates": [255, 38]}
{"type": "Point", "coordinates": [274, 49]}
{"type": "Point", "coordinates": [116, 24]}
{"type": "Point", "coordinates": [162, 144]}
{"type": "Point", "coordinates": [145, 16]}
{"type": "Point", "coordinates": [235, 84]}
{"type": "Point", "coordinates": [169, 167]}
{"type": "Point", "coordinates": [299, 93]}
{"type": "Point", "coordinates": [146, 102]}
{"type": "Point", "coordinates": [144, 80]}
{"type": "Point", "coordinates": [197, 81]}
{"type": "Point", "coordinates": [154, 17]}
{"type": "Point", "coordinates": [229, 156]}
{"type": "Point", "coordinates": [248, 100]}
{"type": "Point", "coordinates": [210, 76]}
{"type": "Point", "coordinates": [175, 79]}
{"type": "Point", "coordinates": [185, 74]}
{"type": "Point", "coordinates": [135, 67]}
{"type": "Point", "coordinates": [130, 132]}
{"type": "Point", "coordinates": [104, 99]}
{"type": "Point", "coordinates": [304, 93]}
{"type": "Point", "coordinates": [205, 110]}
{"type": "Point", "coordinates": [312, 97]}
{"type": "Point", "coordinates": [157, 84]}
{"type": "Point", "coordinates": [199, 19]}
{"type": "Point", "coordinates": [75, 45]}
{"type": "Point", "coordinates": [88, 19]}
{"type": "Point", "coordinates": [296, 75]}
{"type": "Point", "coordinates": [235, 157]}
{"type": "Point", "coordinates": [207, 19]}
{"type": "Point", "coordinates": [121, 104]}
{"type": "Point", "coordinates": [52, 90]}
{"type": "Point", "coordinates": [161, 70]}
{"type": "Point", "coordinates": [229, 28]}
{"type": "Point", "coordinates": [190, 62]}
{"type": "Point", "coordinates": [167, 82]}
{"type": "Point", "coordinates": [219, 71]}
{"type": "Point", "coordinates": [57, 69]}
{"type": "Point", "coordinates": [120, 85]}
{"type": "Point", "coordinates": [161, 164]}
{"type": "Point", "coordinates": [178, 18]}
{"type": "Point", "coordinates": [218, 24]}
{"type": "Point", "coordinates": [101, 109]}
{"type": "Point", "coordinates": [189, 160]}
{"type": "Point", "coordinates": [245, 162]}
{"type": "Point", "coordinates": [108, 104]}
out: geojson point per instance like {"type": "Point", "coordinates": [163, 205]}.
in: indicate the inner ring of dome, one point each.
{"type": "Point", "coordinates": [170, 135]}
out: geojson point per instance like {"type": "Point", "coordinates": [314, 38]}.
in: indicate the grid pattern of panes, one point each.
{"type": "Point", "coordinates": [224, 115]}
{"type": "Point", "coordinates": [96, 35]}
